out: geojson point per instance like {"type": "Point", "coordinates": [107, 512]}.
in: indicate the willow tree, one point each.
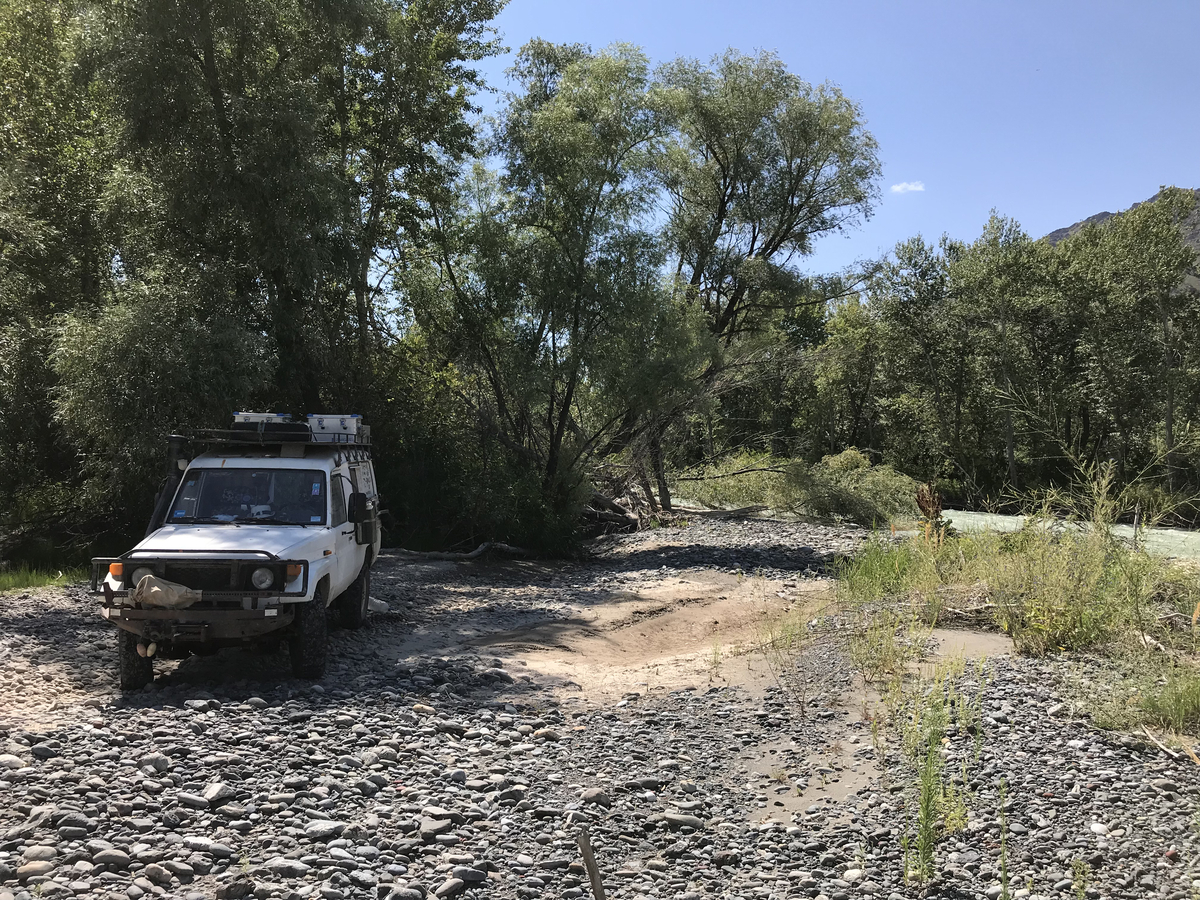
{"type": "Point", "coordinates": [998, 281]}
{"type": "Point", "coordinates": [292, 147]}
{"type": "Point", "coordinates": [761, 164]}
{"type": "Point", "coordinates": [549, 284]}
{"type": "Point", "coordinates": [1140, 317]}
{"type": "Point", "coordinates": [764, 163]}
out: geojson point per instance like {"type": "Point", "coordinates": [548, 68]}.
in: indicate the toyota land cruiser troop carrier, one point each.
{"type": "Point", "coordinates": [269, 525]}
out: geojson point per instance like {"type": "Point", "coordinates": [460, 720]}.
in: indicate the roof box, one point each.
{"type": "Point", "coordinates": [270, 427]}
{"type": "Point", "coordinates": [339, 429]}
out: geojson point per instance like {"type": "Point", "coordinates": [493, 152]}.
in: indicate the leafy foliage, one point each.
{"type": "Point", "coordinates": [210, 204]}
{"type": "Point", "coordinates": [844, 487]}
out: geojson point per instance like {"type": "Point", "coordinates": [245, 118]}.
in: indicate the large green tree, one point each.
{"type": "Point", "coordinates": [294, 146]}
{"type": "Point", "coordinates": [548, 285]}
{"type": "Point", "coordinates": [764, 164]}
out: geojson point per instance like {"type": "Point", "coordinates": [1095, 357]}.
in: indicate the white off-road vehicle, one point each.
{"type": "Point", "coordinates": [270, 525]}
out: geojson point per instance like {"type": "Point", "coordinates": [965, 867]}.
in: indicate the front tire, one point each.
{"type": "Point", "coordinates": [307, 643]}
{"type": "Point", "coordinates": [352, 605]}
{"type": "Point", "coordinates": [136, 671]}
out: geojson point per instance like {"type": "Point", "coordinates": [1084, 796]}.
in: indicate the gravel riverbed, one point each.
{"type": "Point", "coordinates": [421, 767]}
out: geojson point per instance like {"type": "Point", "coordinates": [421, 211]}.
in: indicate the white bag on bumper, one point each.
{"type": "Point", "coordinates": [158, 592]}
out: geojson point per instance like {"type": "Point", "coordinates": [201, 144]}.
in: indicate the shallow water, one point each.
{"type": "Point", "coordinates": [1175, 542]}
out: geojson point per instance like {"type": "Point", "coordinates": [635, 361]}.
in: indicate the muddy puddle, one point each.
{"type": "Point", "coordinates": [969, 644]}
{"type": "Point", "coordinates": [792, 781]}
{"type": "Point", "coordinates": [973, 647]}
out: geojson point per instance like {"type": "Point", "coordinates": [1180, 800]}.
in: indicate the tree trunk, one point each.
{"type": "Point", "coordinates": [1010, 452]}
{"type": "Point", "coordinates": [644, 482]}
{"type": "Point", "coordinates": [297, 380]}
{"type": "Point", "coordinates": [1169, 423]}
{"type": "Point", "coordinates": [660, 472]}
{"type": "Point", "coordinates": [857, 409]}
{"type": "Point", "coordinates": [362, 313]}
{"type": "Point", "coordinates": [1085, 429]}
{"type": "Point", "coordinates": [212, 81]}
{"type": "Point", "coordinates": [1009, 447]}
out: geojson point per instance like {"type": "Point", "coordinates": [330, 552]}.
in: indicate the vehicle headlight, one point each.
{"type": "Point", "coordinates": [139, 574]}
{"type": "Point", "coordinates": [262, 578]}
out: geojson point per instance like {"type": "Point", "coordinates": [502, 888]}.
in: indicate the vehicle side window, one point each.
{"type": "Point", "coordinates": [337, 497]}
{"type": "Point", "coordinates": [362, 479]}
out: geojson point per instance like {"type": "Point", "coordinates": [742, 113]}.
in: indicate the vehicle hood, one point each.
{"type": "Point", "coordinates": [284, 541]}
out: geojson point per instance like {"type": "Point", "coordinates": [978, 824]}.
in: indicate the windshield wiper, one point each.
{"type": "Point", "coordinates": [200, 520]}
{"type": "Point", "coordinates": [266, 520]}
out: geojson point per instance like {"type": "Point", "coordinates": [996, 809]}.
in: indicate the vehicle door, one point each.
{"type": "Point", "coordinates": [346, 551]}
{"type": "Point", "coordinates": [364, 482]}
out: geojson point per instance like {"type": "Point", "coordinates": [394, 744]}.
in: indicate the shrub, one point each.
{"type": "Point", "coordinates": [1049, 588]}
{"type": "Point", "coordinates": [846, 487]}
{"type": "Point", "coordinates": [841, 488]}
{"type": "Point", "coordinates": [737, 480]}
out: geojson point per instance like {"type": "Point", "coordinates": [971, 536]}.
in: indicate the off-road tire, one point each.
{"type": "Point", "coordinates": [308, 640]}
{"type": "Point", "coordinates": [135, 671]}
{"type": "Point", "coordinates": [352, 605]}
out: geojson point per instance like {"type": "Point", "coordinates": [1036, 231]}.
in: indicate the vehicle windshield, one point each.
{"type": "Point", "coordinates": [254, 496]}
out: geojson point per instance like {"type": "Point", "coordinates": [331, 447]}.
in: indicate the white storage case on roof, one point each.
{"type": "Point", "coordinates": [335, 428]}
{"type": "Point", "coordinates": [256, 418]}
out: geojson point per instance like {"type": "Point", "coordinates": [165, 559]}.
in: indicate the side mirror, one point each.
{"type": "Point", "coordinates": [358, 511]}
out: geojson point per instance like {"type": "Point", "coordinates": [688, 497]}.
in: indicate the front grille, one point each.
{"type": "Point", "coordinates": [203, 578]}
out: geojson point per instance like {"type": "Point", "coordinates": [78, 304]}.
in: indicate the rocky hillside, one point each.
{"type": "Point", "coordinates": [1191, 226]}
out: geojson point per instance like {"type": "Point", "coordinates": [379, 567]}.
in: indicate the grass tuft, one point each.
{"type": "Point", "coordinates": [22, 578]}
{"type": "Point", "coordinates": [1174, 703]}
{"type": "Point", "coordinates": [1049, 588]}
{"type": "Point", "coordinates": [876, 650]}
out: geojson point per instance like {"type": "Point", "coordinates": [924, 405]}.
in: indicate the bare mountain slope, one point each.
{"type": "Point", "coordinates": [1191, 227]}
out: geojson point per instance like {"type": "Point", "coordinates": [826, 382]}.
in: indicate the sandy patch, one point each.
{"type": "Point", "coordinates": [691, 631]}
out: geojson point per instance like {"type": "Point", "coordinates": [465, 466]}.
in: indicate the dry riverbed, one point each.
{"type": "Point", "coordinates": [461, 741]}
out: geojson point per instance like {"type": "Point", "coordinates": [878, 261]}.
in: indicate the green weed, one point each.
{"type": "Point", "coordinates": [1080, 875]}
{"type": "Point", "coordinates": [1051, 588]}
{"type": "Point", "coordinates": [929, 773]}
{"type": "Point", "coordinates": [22, 578]}
{"type": "Point", "coordinates": [882, 571]}
{"type": "Point", "coordinates": [923, 716]}
{"type": "Point", "coordinates": [784, 640]}
{"type": "Point", "coordinates": [1175, 703]}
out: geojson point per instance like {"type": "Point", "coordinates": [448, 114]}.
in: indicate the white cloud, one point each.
{"type": "Point", "coordinates": [905, 186]}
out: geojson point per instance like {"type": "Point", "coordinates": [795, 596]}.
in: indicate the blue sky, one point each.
{"type": "Point", "coordinates": [1048, 111]}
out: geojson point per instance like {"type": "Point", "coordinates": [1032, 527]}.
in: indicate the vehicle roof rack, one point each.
{"type": "Point", "coordinates": [274, 429]}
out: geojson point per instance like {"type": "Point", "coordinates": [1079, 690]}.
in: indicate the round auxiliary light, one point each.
{"type": "Point", "coordinates": [139, 574]}
{"type": "Point", "coordinates": [262, 578]}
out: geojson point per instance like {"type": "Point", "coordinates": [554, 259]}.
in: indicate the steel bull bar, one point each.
{"type": "Point", "coordinates": [198, 626]}
{"type": "Point", "coordinates": [230, 614]}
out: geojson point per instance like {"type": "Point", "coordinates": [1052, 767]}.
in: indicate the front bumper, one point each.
{"type": "Point", "coordinates": [228, 613]}
{"type": "Point", "coordinates": [199, 626]}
